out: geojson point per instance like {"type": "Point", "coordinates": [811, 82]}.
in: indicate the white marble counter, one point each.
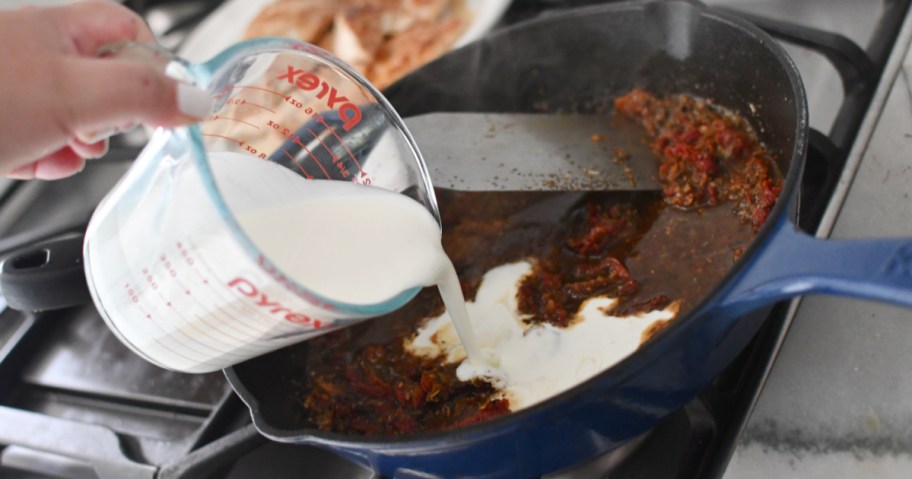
{"type": "Point", "coordinates": [838, 401]}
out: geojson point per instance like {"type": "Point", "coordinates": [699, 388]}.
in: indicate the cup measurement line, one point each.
{"type": "Point", "coordinates": [295, 162]}
{"type": "Point", "coordinates": [208, 344]}
{"type": "Point", "coordinates": [246, 102]}
{"type": "Point", "coordinates": [297, 141]}
{"type": "Point", "coordinates": [176, 334]}
{"type": "Point", "coordinates": [244, 122]}
{"type": "Point", "coordinates": [279, 336]}
{"type": "Point", "coordinates": [179, 332]}
{"type": "Point", "coordinates": [350, 154]}
{"type": "Point", "coordinates": [328, 149]}
{"type": "Point", "coordinates": [234, 320]}
{"type": "Point", "coordinates": [192, 325]}
{"type": "Point", "coordinates": [259, 88]}
{"type": "Point", "coordinates": [180, 354]}
{"type": "Point", "coordinates": [213, 135]}
{"type": "Point", "coordinates": [228, 320]}
{"type": "Point", "coordinates": [217, 328]}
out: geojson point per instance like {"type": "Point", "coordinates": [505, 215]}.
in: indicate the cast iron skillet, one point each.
{"type": "Point", "coordinates": [579, 60]}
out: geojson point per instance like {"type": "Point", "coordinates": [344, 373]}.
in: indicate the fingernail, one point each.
{"type": "Point", "coordinates": [193, 101]}
{"type": "Point", "coordinates": [95, 136]}
{"type": "Point", "coordinates": [24, 172]}
{"type": "Point", "coordinates": [103, 152]}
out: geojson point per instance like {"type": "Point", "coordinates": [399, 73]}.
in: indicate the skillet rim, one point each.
{"type": "Point", "coordinates": [648, 352]}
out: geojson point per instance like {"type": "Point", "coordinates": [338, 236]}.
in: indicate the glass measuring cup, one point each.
{"type": "Point", "coordinates": [172, 271]}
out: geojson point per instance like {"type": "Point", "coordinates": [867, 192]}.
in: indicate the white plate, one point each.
{"type": "Point", "coordinates": [226, 25]}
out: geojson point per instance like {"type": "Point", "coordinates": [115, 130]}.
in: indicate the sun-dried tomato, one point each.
{"type": "Point", "coordinates": [602, 228]}
{"type": "Point", "coordinates": [708, 154]}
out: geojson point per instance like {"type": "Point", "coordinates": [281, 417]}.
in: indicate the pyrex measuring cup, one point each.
{"type": "Point", "coordinates": [169, 266]}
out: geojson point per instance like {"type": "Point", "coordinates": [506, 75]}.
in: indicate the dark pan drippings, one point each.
{"type": "Point", "coordinates": [641, 247]}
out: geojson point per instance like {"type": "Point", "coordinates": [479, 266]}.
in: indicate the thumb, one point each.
{"type": "Point", "coordinates": [102, 94]}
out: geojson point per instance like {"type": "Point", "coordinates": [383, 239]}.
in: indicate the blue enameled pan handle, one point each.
{"type": "Point", "coordinates": [791, 263]}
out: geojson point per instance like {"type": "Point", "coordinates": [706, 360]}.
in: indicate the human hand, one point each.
{"type": "Point", "coordinates": [54, 89]}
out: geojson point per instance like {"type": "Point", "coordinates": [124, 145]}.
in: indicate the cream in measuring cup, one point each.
{"type": "Point", "coordinates": [235, 237]}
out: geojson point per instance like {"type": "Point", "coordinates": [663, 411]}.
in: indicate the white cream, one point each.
{"type": "Point", "coordinates": [535, 362]}
{"type": "Point", "coordinates": [349, 242]}
{"type": "Point", "coordinates": [356, 244]}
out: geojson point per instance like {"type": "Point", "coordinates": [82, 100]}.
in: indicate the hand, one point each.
{"type": "Point", "coordinates": [54, 89]}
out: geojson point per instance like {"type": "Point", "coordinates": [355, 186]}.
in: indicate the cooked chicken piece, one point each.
{"type": "Point", "coordinates": [421, 43]}
{"type": "Point", "coordinates": [305, 20]}
{"type": "Point", "coordinates": [429, 9]}
{"type": "Point", "coordinates": [355, 37]}
{"type": "Point", "coordinates": [384, 39]}
{"type": "Point", "coordinates": [403, 16]}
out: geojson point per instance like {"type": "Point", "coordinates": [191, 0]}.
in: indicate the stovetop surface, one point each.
{"type": "Point", "coordinates": [836, 403]}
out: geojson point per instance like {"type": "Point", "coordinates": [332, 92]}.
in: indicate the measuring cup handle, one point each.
{"type": "Point", "coordinates": [45, 276]}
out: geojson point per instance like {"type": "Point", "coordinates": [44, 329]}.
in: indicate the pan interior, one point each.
{"type": "Point", "coordinates": [579, 61]}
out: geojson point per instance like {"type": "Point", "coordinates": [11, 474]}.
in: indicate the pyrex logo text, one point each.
{"type": "Point", "coordinates": [248, 289]}
{"type": "Point", "coordinates": [348, 111]}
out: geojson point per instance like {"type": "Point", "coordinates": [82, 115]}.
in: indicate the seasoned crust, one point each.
{"type": "Point", "coordinates": [383, 39]}
{"type": "Point", "coordinates": [305, 20]}
{"type": "Point", "coordinates": [419, 44]}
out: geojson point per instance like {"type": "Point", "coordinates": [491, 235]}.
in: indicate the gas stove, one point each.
{"type": "Point", "coordinates": [74, 402]}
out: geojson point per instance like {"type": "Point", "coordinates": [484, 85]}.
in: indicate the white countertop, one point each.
{"type": "Point", "coordinates": [838, 401]}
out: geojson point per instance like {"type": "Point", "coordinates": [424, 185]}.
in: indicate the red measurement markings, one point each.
{"type": "Point", "coordinates": [295, 161]}
{"type": "Point", "coordinates": [132, 293]}
{"type": "Point", "coordinates": [297, 141]}
{"type": "Point", "coordinates": [279, 129]}
{"type": "Point", "coordinates": [257, 105]}
{"type": "Point", "coordinates": [164, 345]}
{"type": "Point", "coordinates": [336, 160]}
{"type": "Point", "coordinates": [248, 87]}
{"type": "Point", "coordinates": [237, 101]}
{"type": "Point", "coordinates": [238, 325]}
{"type": "Point", "coordinates": [220, 117]}
{"type": "Point", "coordinates": [185, 253]}
{"type": "Point", "coordinates": [237, 309]}
{"type": "Point", "coordinates": [213, 135]}
{"type": "Point", "coordinates": [210, 327]}
{"type": "Point", "coordinates": [328, 149]}
{"type": "Point", "coordinates": [350, 155]}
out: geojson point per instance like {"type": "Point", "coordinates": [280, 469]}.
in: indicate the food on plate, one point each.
{"type": "Point", "coordinates": [382, 39]}
{"type": "Point", "coordinates": [562, 285]}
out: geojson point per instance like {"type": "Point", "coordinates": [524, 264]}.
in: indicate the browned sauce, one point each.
{"type": "Point", "coordinates": [647, 249]}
